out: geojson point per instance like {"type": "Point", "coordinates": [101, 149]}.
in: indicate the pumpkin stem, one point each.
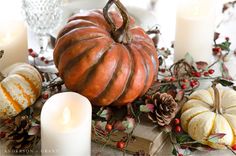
{"type": "Point", "coordinates": [218, 108]}
{"type": "Point", "coordinates": [121, 34]}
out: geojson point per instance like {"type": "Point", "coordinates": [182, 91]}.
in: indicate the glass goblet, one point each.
{"type": "Point", "coordinates": [43, 17]}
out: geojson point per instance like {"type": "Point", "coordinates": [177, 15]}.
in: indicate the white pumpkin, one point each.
{"type": "Point", "coordinates": [19, 89]}
{"type": "Point", "coordinates": [203, 116]}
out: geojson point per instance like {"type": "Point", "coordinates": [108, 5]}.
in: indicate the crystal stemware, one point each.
{"type": "Point", "coordinates": [43, 17]}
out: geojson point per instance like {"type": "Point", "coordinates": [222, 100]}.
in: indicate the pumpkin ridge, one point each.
{"type": "Point", "coordinates": [14, 103]}
{"type": "Point", "coordinates": [148, 72]}
{"type": "Point", "coordinates": [65, 69]}
{"type": "Point", "coordinates": [130, 74]}
{"type": "Point", "coordinates": [233, 132]}
{"type": "Point", "coordinates": [25, 95]}
{"type": "Point", "coordinates": [92, 70]}
{"type": "Point", "coordinates": [68, 39]}
{"type": "Point", "coordinates": [133, 83]}
{"type": "Point", "coordinates": [111, 82]}
{"type": "Point", "coordinates": [91, 16]}
{"type": "Point", "coordinates": [31, 84]}
{"type": "Point", "coordinates": [213, 125]}
{"type": "Point", "coordinates": [82, 75]}
{"type": "Point", "coordinates": [139, 35]}
{"type": "Point", "coordinates": [188, 121]}
{"type": "Point", "coordinates": [75, 24]}
{"type": "Point", "coordinates": [59, 51]}
{"type": "Point", "coordinates": [151, 53]}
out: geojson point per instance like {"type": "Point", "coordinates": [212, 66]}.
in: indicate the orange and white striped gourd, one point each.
{"type": "Point", "coordinates": [209, 112]}
{"type": "Point", "coordinates": [19, 89]}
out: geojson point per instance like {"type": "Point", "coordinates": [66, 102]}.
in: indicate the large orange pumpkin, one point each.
{"type": "Point", "coordinates": [104, 57]}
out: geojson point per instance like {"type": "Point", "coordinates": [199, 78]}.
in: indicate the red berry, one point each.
{"type": "Point", "coordinates": [206, 74]}
{"type": "Point", "coordinates": [46, 61]}
{"type": "Point", "coordinates": [227, 39]}
{"type": "Point", "coordinates": [193, 72]}
{"type": "Point", "coordinates": [109, 127]}
{"type": "Point", "coordinates": [185, 80]}
{"type": "Point", "coordinates": [34, 54]}
{"type": "Point", "coordinates": [216, 50]}
{"type": "Point", "coordinates": [172, 79]}
{"type": "Point", "coordinates": [234, 147]}
{"type": "Point", "coordinates": [2, 134]}
{"type": "Point", "coordinates": [177, 121]}
{"type": "Point", "coordinates": [120, 145]}
{"type": "Point", "coordinates": [184, 86]}
{"type": "Point", "coordinates": [178, 129]}
{"type": "Point", "coordinates": [30, 50]}
{"type": "Point", "coordinates": [163, 70]}
{"type": "Point", "coordinates": [198, 74]}
{"type": "Point", "coordinates": [211, 71]}
{"type": "Point", "coordinates": [42, 58]}
{"type": "Point", "coordinates": [45, 96]}
{"type": "Point", "coordinates": [192, 84]}
{"type": "Point", "coordinates": [148, 96]}
{"type": "Point", "coordinates": [180, 154]}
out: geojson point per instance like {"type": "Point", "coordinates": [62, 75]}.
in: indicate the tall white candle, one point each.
{"type": "Point", "coordinates": [66, 125]}
{"type": "Point", "coordinates": [13, 34]}
{"type": "Point", "coordinates": [195, 21]}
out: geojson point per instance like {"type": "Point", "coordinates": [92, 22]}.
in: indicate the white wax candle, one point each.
{"type": "Point", "coordinates": [13, 34]}
{"type": "Point", "coordinates": [66, 125]}
{"type": "Point", "coordinates": [195, 21]}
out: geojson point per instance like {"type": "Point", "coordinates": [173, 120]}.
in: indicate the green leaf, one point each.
{"type": "Point", "coordinates": [214, 138]}
{"type": "Point", "coordinates": [182, 138]}
{"type": "Point", "coordinates": [224, 82]}
{"type": "Point", "coordinates": [147, 108]}
{"type": "Point", "coordinates": [102, 114]}
{"type": "Point", "coordinates": [225, 45]}
{"type": "Point", "coordinates": [174, 152]}
{"type": "Point", "coordinates": [189, 59]}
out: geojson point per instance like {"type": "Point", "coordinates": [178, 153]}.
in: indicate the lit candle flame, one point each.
{"type": "Point", "coordinates": [66, 116]}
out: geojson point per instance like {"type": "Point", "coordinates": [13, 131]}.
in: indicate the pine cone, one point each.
{"type": "Point", "coordinates": [165, 108]}
{"type": "Point", "coordinates": [17, 137]}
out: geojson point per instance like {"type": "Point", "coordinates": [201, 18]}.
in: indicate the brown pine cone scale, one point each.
{"type": "Point", "coordinates": [165, 108]}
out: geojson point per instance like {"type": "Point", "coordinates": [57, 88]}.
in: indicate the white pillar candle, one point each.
{"type": "Point", "coordinates": [195, 21]}
{"type": "Point", "coordinates": [13, 34]}
{"type": "Point", "coordinates": [66, 125]}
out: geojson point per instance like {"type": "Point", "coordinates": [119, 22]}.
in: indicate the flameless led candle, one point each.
{"type": "Point", "coordinates": [66, 125]}
{"type": "Point", "coordinates": [13, 34]}
{"type": "Point", "coordinates": [195, 22]}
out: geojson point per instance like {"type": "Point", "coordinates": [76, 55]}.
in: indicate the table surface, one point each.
{"type": "Point", "coordinates": [227, 30]}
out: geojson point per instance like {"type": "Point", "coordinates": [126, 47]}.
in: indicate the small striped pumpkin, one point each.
{"type": "Point", "coordinates": [105, 57]}
{"type": "Point", "coordinates": [19, 89]}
